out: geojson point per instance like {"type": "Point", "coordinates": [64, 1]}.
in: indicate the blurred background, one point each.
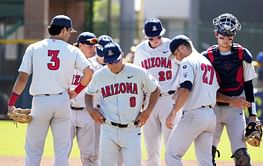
{"type": "Point", "coordinates": [25, 21]}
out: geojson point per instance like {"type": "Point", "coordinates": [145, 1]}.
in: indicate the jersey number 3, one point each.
{"type": "Point", "coordinates": [208, 73]}
{"type": "Point", "coordinates": [54, 61]}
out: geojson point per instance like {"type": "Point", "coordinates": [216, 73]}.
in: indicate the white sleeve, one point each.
{"type": "Point", "coordinates": [249, 71]}
{"type": "Point", "coordinates": [150, 83]}
{"type": "Point", "coordinates": [27, 64]}
{"type": "Point", "coordinates": [186, 72]}
{"type": "Point", "coordinates": [82, 62]}
{"type": "Point", "coordinates": [92, 87]}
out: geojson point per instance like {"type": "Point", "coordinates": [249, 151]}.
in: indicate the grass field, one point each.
{"type": "Point", "coordinates": [12, 144]}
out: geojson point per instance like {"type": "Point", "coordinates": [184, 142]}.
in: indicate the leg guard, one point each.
{"type": "Point", "coordinates": [214, 150]}
{"type": "Point", "coordinates": [241, 157]}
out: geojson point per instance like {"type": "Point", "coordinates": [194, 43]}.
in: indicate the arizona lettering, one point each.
{"type": "Point", "coordinates": [156, 62]}
{"type": "Point", "coordinates": [118, 88]}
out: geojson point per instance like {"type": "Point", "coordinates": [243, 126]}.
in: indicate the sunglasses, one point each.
{"type": "Point", "coordinates": [152, 38]}
{"type": "Point", "coordinates": [114, 62]}
{"type": "Point", "coordinates": [92, 40]}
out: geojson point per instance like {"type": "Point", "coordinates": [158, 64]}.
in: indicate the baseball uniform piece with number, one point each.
{"type": "Point", "coordinates": [51, 63]}
{"type": "Point", "coordinates": [197, 75]}
{"type": "Point", "coordinates": [156, 61]}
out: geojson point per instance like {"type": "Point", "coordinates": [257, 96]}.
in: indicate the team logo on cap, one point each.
{"type": "Point", "coordinates": [154, 28]}
{"type": "Point", "coordinates": [110, 53]}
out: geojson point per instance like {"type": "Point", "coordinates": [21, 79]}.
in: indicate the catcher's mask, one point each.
{"type": "Point", "coordinates": [253, 134]}
{"type": "Point", "coordinates": [226, 24]}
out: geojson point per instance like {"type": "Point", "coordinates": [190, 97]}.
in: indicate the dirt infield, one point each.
{"type": "Point", "coordinates": [74, 161]}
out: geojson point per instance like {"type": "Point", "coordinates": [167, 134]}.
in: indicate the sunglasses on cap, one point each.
{"type": "Point", "coordinates": [92, 40]}
{"type": "Point", "coordinates": [152, 38]}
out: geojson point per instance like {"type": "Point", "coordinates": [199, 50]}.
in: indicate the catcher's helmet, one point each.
{"type": "Point", "coordinates": [226, 24]}
{"type": "Point", "coordinates": [102, 41]}
{"type": "Point", "coordinates": [153, 27]}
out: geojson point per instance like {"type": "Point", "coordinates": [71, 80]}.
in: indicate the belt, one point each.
{"type": "Point", "coordinates": [222, 104]}
{"type": "Point", "coordinates": [206, 106]}
{"type": "Point", "coordinates": [120, 125]}
{"type": "Point", "coordinates": [53, 94]}
{"type": "Point", "coordinates": [77, 108]}
{"type": "Point", "coordinates": [170, 92]}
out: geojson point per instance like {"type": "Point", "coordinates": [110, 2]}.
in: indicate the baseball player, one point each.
{"type": "Point", "coordinates": [83, 127]}
{"type": "Point", "coordinates": [51, 62]}
{"type": "Point", "coordinates": [153, 55]}
{"type": "Point", "coordinates": [234, 69]}
{"type": "Point", "coordinates": [196, 76]}
{"type": "Point", "coordinates": [121, 89]}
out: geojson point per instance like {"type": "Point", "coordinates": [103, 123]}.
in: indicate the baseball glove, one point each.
{"type": "Point", "coordinates": [20, 115]}
{"type": "Point", "coordinates": [253, 133]}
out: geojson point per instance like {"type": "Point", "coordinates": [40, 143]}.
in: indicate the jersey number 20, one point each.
{"type": "Point", "coordinates": [208, 73]}
{"type": "Point", "coordinates": [54, 61]}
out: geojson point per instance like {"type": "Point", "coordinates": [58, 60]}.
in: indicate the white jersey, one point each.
{"type": "Point", "coordinates": [156, 61]}
{"type": "Point", "coordinates": [79, 100]}
{"type": "Point", "coordinates": [52, 63]}
{"type": "Point", "coordinates": [200, 72]}
{"type": "Point", "coordinates": [121, 95]}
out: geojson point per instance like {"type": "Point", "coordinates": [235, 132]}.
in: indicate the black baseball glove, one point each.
{"type": "Point", "coordinates": [253, 133]}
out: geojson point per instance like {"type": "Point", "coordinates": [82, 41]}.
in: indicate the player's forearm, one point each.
{"type": "Point", "coordinates": [153, 99]}
{"type": "Point", "coordinates": [89, 101]}
{"type": "Point", "coordinates": [20, 83]}
{"type": "Point", "coordinates": [86, 77]}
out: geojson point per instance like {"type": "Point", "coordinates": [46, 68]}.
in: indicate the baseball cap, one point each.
{"type": "Point", "coordinates": [153, 27]}
{"type": "Point", "coordinates": [63, 21]}
{"type": "Point", "coordinates": [86, 38]}
{"type": "Point", "coordinates": [112, 52]}
{"type": "Point", "coordinates": [177, 41]}
{"type": "Point", "coordinates": [102, 41]}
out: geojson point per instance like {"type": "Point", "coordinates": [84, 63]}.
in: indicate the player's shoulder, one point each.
{"type": "Point", "coordinates": [247, 56]}
{"type": "Point", "coordinates": [210, 48]}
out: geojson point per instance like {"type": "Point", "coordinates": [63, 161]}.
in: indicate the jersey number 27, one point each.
{"type": "Point", "coordinates": [208, 73]}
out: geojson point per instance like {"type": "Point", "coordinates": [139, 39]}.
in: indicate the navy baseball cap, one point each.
{"type": "Point", "coordinates": [86, 38]}
{"type": "Point", "coordinates": [112, 53]}
{"type": "Point", "coordinates": [102, 41]}
{"type": "Point", "coordinates": [153, 27]}
{"type": "Point", "coordinates": [63, 21]}
{"type": "Point", "coordinates": [177, 41]}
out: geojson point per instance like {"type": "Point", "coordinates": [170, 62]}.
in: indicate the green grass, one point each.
{"type": "Point", "coordinates": [12, 144]}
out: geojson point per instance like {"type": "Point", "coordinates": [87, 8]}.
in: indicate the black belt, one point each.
{"type": "Point", "coordinates": [122, 125]}
{"type": "Point", "coordinates": [206, 106]}
{"type": "Point", "coordinates": [222, 104]}
{"type": "Point", "coordinates": [77, 108]}
{"type": "Point", "coordinates": [170, 92]}
{"type": "Point", "coordinates": [53, 94]}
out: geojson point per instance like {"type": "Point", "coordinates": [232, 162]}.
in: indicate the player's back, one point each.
{"type": "Point", "coordinates": [53, 62]}
{"type": "Point", "coordinates": [203, 78]}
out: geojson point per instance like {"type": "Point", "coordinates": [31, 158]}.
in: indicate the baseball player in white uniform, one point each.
{"type": "Point", "coordinates": [51, 62]}
{"type": "Point", "coordinates": [153, 55]}
{"type": "Point", "coordinates": [121, 88]}
{"type": "Point", "coordinates": [196, 77]}
{"type": "Point", "coordinates": [83, 127]}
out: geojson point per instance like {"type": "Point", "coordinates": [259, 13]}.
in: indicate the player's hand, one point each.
{"type": "Point", "coordinates": [239, 102]}
{"type": "Point", "coordinates": [11, 108]}
{"type": "Point", "coordinates": [170, 120]}
{"type": "Point", "coordinates": [142, 118]}
{"type": "Point", "coordinates": [72, 94]}
{"type": "Point", "coordinates": [96, 115]}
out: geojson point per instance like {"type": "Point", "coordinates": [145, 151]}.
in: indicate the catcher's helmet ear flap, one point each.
{"type": "Point", "coordinates": [226, 24]}
{"type": "Point", "coordinates": [153, 27]}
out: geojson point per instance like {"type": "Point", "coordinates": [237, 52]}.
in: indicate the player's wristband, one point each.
{"type": "Point", "coordinates": [13, 98]}
{"type": "Point", "coordinates": [252, 110]}
{"type": "Point", "coordinates": [79, 88]}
